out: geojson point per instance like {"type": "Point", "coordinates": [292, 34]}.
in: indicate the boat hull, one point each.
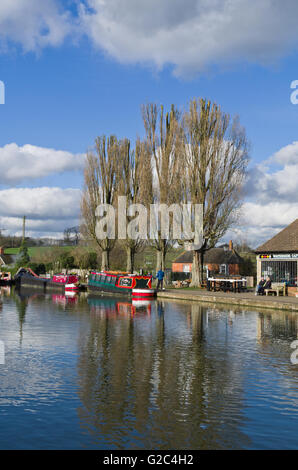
{"type": "Point", "coordinates": [102, 290]}
{"type": "Point", "coordinates": [4, 282]}
{"type": "Point", "coordinates": [143, 294]}
{"type": "Point", "coordinates": [45, 284]}
{"type": "Point", "coordinates": [72, 287]}
{"type": "Point", "coordinates": [116, 283]}
{"type": "Point", "coordinates": [32, 282]}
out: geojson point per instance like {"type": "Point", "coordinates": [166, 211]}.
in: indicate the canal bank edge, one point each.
{"type": "Point", "coordinates": [291, 304]}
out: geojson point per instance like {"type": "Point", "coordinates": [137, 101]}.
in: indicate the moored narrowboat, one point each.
{"type": "Point", "coordinates": [25, 277]}
{"type": "Point", "coordinates": [5, 279]}
{"type": "Point", "coordinates": [113, 282]}
{"type": "Point", "coordinates": [67, 282]}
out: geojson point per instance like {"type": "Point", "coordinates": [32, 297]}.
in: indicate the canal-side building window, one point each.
{"type": "Point", "coordinates": [278, 257]}
{"type": "Point", "coordinates": [280, 271]}
{"type": "Point", "coordinates": [223, 269]}
{"type": "Point", "coordinates": [186, 268]}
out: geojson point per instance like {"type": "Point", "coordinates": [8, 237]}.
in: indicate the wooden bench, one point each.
{"type": "Point", "coordinates": [277, 288]}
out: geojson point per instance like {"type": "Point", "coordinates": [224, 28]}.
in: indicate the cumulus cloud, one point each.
{"type": "Point", "coordinates": [34, 24]}
{"type": "Point", "coordinates": [271, 196]}
{"type": "Point", "coordinates": [192, 35]}
{"type": "Point", "coordinates": [49, 210]}
{"type": "Point", "coordinates": [30, 162]}
{"type": "Point", "coordinates": [287, 155]}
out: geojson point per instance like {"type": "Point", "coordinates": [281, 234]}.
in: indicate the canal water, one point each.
{"type": "Point", "coordinates": [102, 373]}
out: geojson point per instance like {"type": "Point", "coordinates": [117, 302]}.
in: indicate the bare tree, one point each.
{"type": "Point", "coordinates": [71, 235]}
{"type": "Point", "coordinates": [215, 153]}
{"type": "Point", "coordinates": [67, 236]}
{"type": "Point", "coordinates": [162, 131]}
{"type": "Point", "coordinates": [100, 187]}
{"type": "Point", "coordinates": [134, 184]}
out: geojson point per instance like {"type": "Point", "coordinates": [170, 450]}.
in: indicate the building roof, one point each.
{"type": "Point", "coordinates": [212, 256]}
{"type": "Point", "coordinates": [284, 241]}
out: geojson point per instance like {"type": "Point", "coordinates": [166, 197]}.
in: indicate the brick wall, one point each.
{"type": "Point", "coordinates": [292, 291]}
{"type": "Point", "coordinates": [179, 268]}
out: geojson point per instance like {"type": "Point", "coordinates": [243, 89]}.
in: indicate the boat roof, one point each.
{"type": "Point", "coordinates": [117, 273]}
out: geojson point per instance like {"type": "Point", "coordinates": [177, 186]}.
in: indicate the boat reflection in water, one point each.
{"type": "Point", "coordinates": [114, 308]}
{"type": "Point", "coordinates": [69, 298]}
{"type": "Point", "coordinates": [5, 291]}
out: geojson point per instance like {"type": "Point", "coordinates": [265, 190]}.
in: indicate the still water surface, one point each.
{"type": "Point", "coordinates": [101, 373]}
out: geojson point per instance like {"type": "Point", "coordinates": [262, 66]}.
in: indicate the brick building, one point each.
{"type": "Point", "coordinates": [224, 260]}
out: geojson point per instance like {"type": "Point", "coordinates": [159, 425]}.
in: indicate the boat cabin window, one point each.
{"type": "Point", "coordinates": [125, 282]}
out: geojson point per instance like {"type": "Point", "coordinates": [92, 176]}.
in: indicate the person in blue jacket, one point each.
{"type": "Point", "coordinates": [159, 276]}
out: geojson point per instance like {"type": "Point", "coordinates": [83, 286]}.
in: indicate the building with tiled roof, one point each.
{"type": "Point", "coordinates": [278, 257]}
{"type": "Point", "coordinates": [223, 259]}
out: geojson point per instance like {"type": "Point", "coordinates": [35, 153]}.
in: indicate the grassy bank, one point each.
{"type": "Point", "coordinates": [35, 250]}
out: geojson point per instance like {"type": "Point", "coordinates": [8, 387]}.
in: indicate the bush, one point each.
{"type": "Point", "coordinates": [66, 261]}
{"type": "Point", "coordinates": [37, 268]}
{"type": "Point", "coordinates": [92, 260]}
{"type": "Point", "coordinates": [49, 267]}
{"type": "Point", "coordinates": [180, 276]}
{"type": "Point", "coordinates": [23, 258]}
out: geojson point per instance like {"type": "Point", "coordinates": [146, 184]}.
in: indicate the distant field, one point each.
{"type": "Point", "coordinates": [145, 258]}
{"type": "Point", "coordinates": [35, 250]}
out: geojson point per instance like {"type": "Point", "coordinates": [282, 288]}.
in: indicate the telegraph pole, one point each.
{"type": "Point", "coordinates": [24, 222]}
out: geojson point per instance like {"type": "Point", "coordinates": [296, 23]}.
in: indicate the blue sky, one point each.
{"type": "Point", "coordinates": [73, 73]}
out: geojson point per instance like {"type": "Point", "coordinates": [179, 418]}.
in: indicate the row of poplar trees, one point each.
{"type": "Point", "coordinates": [198, 156]}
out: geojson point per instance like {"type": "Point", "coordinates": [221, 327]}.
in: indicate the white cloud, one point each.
{"type": "Point", "coordinates": [192, 35]}
{"type": "Point", "coordinates": [33, 23]}
{"type": "Point", "coordinates": [31, 162]}
{"type": "Point", "coordinates": [287, 155]}
{"type": "Point", "coordinates": [271, 196]}
{"type": "Point", "coordinates": [268, 216]}
{"type": "Point", "coordinates": [48, 210]}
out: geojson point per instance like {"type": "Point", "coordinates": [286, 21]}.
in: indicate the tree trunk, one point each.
{"type": "Point", "coordinates": [161, 259]}
{"type": "Point", "coordinates": [197, 269]}
{"type": "Point", "coordinates": [158, 260]}
{"type": "Point", "coordinates": [201, 268]}
{"type": "Point", "coordinates": [105, 261]}
{"type": "Point", "coordinates": [130, 257]}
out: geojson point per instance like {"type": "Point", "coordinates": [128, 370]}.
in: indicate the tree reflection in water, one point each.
{"type": "Point", "coordinates": [153, 385]}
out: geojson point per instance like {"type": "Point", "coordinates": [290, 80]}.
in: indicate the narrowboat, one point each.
{"type": "Point", "coordinates": [67, 282]}
{"type": "Point", "coordinates": [25, 277]}
{"type": "Point", "coordinates": [5, 279]}
{"type": "Point", "coordinates": [114, 282]}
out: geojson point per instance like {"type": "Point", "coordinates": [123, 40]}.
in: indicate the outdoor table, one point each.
{"type": "Point", "coordinates": [235, 285]}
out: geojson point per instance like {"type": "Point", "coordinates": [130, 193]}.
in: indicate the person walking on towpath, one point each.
{"type": "Point", "coordinates": [159, 276]}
